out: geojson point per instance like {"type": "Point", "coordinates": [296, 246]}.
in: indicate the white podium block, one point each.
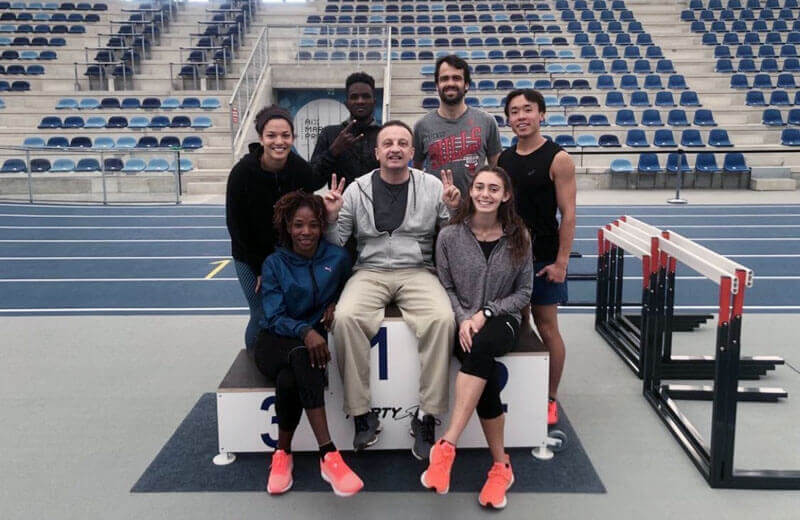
{"type": "Point", "coordinates": [246, 400]}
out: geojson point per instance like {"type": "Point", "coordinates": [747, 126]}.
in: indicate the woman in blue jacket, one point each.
{"type": "Point", "coordinates": [300, 284]}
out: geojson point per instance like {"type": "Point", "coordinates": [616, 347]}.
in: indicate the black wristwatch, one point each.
{"type": "Point", "coordinates": [487, 313]}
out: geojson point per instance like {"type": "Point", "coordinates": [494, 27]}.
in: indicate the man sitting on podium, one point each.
{"type": "Point", "coordinates": [393, 213]}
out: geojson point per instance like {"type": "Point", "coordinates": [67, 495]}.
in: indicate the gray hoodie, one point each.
{"type": "Point", "coordinates": [472, 282]}
{"type": "Point", "coordinates": [411, 244]}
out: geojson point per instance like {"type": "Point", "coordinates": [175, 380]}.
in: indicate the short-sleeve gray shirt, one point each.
{"type": "Point", "coordinates": [461, 145]}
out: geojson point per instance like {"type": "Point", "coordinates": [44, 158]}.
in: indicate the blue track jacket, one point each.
{"type": "Point", "coordinates": [296, 290]}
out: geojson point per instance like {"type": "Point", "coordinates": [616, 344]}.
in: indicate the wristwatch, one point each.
{"type": "Point", "coordinates": [487, 312]}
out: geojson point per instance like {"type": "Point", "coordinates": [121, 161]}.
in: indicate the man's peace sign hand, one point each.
{"type": "Point", "coordinates": [333, 199]}
{"type": "Point", "coordinates": [450, 194]}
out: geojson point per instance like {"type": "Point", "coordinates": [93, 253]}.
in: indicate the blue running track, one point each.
{"type": "Point", "coordinates": [172, 259]}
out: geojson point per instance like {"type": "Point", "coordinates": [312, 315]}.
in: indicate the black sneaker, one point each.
{"type": "Point", "coordinates": [366, 432]}
{"type": "Point", "coordinates": [423, 432]}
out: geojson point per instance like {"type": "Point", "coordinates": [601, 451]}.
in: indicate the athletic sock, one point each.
{"type": "Point", "coordinates": [326, 448]}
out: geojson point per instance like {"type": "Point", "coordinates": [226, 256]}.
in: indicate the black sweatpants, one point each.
{"type": "Point", "coordinates": [298, 386]}
{"type": "Point", "coordinates": [497, 337]}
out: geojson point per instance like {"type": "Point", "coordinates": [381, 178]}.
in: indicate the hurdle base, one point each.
{"type": "Point", "coordinates": [223, 459]}
{"type": "Point", "coordinates": [706, 393]}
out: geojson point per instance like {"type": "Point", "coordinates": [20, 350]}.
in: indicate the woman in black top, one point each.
{"type": "Point", "coordinates": [270, 170]}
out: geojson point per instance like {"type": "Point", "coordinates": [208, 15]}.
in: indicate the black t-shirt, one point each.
{"type": "Point", "coordinates": [389, 202]}
{"type": "Point", "coordinates": [535, 194]}
{"type": "Point", "coordinates": [488, 247]}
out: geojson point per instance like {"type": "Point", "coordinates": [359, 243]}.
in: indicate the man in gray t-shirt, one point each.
{"type": "Point", "coordinates": [454, 136]}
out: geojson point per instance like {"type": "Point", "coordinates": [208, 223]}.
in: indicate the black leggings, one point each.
{"type": "Point", "coordinates": [298, 386]}
{"type": "Point", "coordinates": [497, 338]}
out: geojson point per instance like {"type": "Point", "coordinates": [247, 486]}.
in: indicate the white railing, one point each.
{"type": "Point", "coordinates": [241, 101]}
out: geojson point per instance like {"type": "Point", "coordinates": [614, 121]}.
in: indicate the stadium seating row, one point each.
{"type": "Point", "coordinates": [52, 122]}
{"type": "Point", "coordinates": [91, 164]}
{"type": "Point", "coordinates": [47, 17]}
{"type": "Point", "coordinates": [169, 103]}
{"type": "Point", "coordinates": [20, 70]}
{"type": "Point", "coordinates": [36, 41]}
{"type": "Point", "coordinates": [53, 6]}
{"type": "Point", "coordinates": [42, 29]}
{"type": "Point", "coordinates": [190, 142]}
{"type": "Point", "coordinates": [705, 162]}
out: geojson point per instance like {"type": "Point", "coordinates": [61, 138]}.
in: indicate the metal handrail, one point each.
{"type": "Point", "coordinates": [260, 50]}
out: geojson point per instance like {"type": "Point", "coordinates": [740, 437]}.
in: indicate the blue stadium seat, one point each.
{"type": "Point", "coordinates": [103, 142]}
{"type": "Point", "coordinates": [159, 122]}
{"type": "Point", "coordinates": [556, 120]}
{"type": "Point", "coordinates": [134, 165]}
{"type": "Point", "coordinates": [704, 117]}
{"type": "Point", "coordinates": [648, 164]}
{"type": "Point", "coordinates": [651, 117]}
{"type": "Point", "coordinates": [779, 98]}
{"type": "Point", "coordinates": [640, 99]}
{"type": "Point", "coordinates": [138, 122]}
{"type": "Point", "coordinates": [636, 138]}
{"type": "Point", "coordinates": [192, 142]}
{"type": "Point", "coordinates": [33, 142]}
{"type": "Point", "coordinates": [793, 117]}
{"type": "Point", "coordinates": [57, 141]}
{"type": "Point", "coordinates": [691, 138]}
{"type": "Point", "coordinates": [87, 164]}
{"type": "Point", "coordinates": [614, 99]}
{"type": "Point", "coordinates": [190, 103]}
{"type": "Point", "coordinates": [734, 162]}
{"type": "Point", "coordinates": [739, 81]}
{"type": "Point", "coordinates": [677, 117]}
{"type": "Point", "coordinates": [130, 103]}
{"type": "Point", "coordinates": [565, 140]}
{"type": "Point", "coordinates": [126, 142]}
{"type": "Point", "coordinates": [40, 165]}
{"type": "Point", "coordinates": [157, 164]}
{"type": "Point", "coordinates": [147, 141]}
{"type": "Point", "coordinates": [50, 122]}
{"type": "Point", "coordinates": [629, 82]}
{"type": "Point", "coordinates": [66, 104]}
{"type": "Point", "coordinates": [625, 117]}
{"type": "Point", "coordinates": [598, 120]}
{"type": "Point", "coordinates": [588, 101]}
{"type": "Point", "coordinates": [790, 137]}
{"type": "Point", "coordinates": [769, 65]}
{"type": "Point", "coordinates": [664, 99]}
{"type": "Point", "coordinates": [117, 122]}
{"type": "Point", "coordinates": [586, 141]}
{"type": "Point", "coordinates": [688, 98]}
{"type": "Point", "coordinates": [762, 81]}
{"type": "Point", "coordinates": [80, 141]}
{"type": "Point", "coordinates": [663, 138]}
{"type": "Point", "coordinates": [88, 104]}
{"type": "Point", "coordinates": [719, 137]}
{"type": "Point", "coordinates": [772, 117]}
{"type": "Point", "coordinates": [706, 163]}
{"type": "Point", "coordinates": [608, 141]}
{"type": "Point", "coordinates": [672, 163]}
{"type": "Point", "coordinates": [621, 166]}
{"type": "Point", "coordinates": [63, 165]}
{"type": "Point", "coordinates": [653, 82]}
{"type": "Point", "coordinates": [677, 82]}
{"type": "Point", "coordinates": [151, 103]}
{"type": "Point", "coordinates": [786, 81]}
{"type": "Point", "coordinates": [568, 101]}
{"type": "Point", "coordinates": [202, 122]}
{"type": "Point", "coordinates": [755, 98]}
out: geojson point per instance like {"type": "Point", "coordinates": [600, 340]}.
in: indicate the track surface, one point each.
{"type": "Point", "coordinates": [58, 259]}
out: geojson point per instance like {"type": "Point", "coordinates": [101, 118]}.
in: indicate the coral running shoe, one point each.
{"type": "Point", "coordinates": [343, 480]}
{"type": "Point", "coordinates": [437, 476]}
{"type": "Point", "coordinates": [500, 478]}
{"type": "Point", "coordinates": [552, 412]}
{"type": "Point", "coordinates": [280, 473]}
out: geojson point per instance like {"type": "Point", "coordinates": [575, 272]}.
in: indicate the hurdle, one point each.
{"type": "Point", "coordinates": [628, 335]}
{"type": "Point", "coordinates": [716, 460]}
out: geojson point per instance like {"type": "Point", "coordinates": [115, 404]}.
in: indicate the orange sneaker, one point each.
{"type": "Point", "coordinates": [280, 473]}
{"type": "Point", "coordinates": [343, 480]}
{"type": "Point", "coordinates": [552, 412]}
{"type": "Point", "coordinates": [500, 478]}
{"type": "Point", "coordinates": [437, 476]}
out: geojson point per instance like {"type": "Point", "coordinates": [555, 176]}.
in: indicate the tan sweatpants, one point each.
{"type": "Point", "coordinates": [425, 308]}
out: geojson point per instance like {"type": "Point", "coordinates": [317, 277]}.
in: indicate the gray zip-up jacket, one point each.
{"type": "Point", "coordinates": [473, 283]}
{"type": "Point", "coordinates": [411, 244]}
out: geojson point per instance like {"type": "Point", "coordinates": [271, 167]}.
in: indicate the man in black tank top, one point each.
{"type": "Point", "coordinates": [544, 181]}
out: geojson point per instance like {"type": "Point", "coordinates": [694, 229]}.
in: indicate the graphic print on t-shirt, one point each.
{"type": "Point", "coordinates": [464, 146]}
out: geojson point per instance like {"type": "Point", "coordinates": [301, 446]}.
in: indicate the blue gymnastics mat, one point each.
{"type": "Point", "coordinates": [184, 465]}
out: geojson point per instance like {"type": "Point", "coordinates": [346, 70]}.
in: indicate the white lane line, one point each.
{"type": "Point", "coordinates": [695, 307]}
{"type": "Point", "coordinates": [716, 226]}
{"type": "Point", "coordinates": [696, 215]}
{"type": "Point", "coordinates": [107, 280]}
{"type": "Point", "coordinates": [26, 258]}
{"type": "Point", "coordinates": [114, 227]}
{"type": "Point", "coordinates": [126, 309]}
{"type": "Point", "coordinates": [25, 241]}
{"type": "Point", "coordinates": [245, 309]}
{"type": "Point", "coordinates": [233, 278]}
{"type": "Point", "coordinates": [728, 256]}
{"type": "Point", "coordinates": [717, 239]}
{"type": "Point", "coordinates": [38, 215]}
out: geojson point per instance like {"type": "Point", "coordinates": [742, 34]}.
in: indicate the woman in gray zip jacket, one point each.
{"type": "Point", "coordinates": [484, 263]}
